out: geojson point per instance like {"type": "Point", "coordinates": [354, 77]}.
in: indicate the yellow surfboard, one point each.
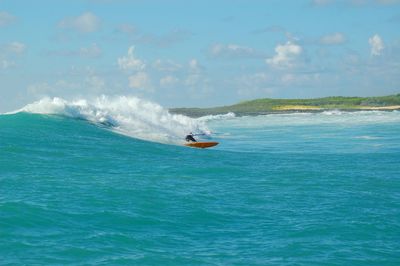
{"type": "Point", "coordinates": [201, 145]}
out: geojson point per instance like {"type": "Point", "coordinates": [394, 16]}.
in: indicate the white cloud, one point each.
{"type": "Point", "coordinates": [8, 52]}
{"type": "Point", "coordinates": [130, 62]}
{"type": "Point", "coordinates": [6, 19]}
{"type": "Point", "coordinates": [376, 44]}
{"type": "Point", "coordinates": [332, 39]}
{"type": "Point", "coordinates": [166, 65]}
{"type": "Point", "coordinates": [12, 48]}
{"type": "Point", "coordinates": [286, 55]}
{"type": "Point", "coordinates": [231, 51]}
{"type": "Point", "coordinates": [140, 80]}
{"type": "Point", "coordinates": [17, 47]}
{"type": "Point", "coordinates": [194, 66]}
{"type": "Point", "coordinates": [5, 64]}
{"type": "Point", "coordinates": [168, 81]}
{"type": "Point", "coordinates": [85, 23]}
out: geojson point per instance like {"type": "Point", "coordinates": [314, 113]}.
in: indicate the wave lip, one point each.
{"type": "Point", "coordinates": [127, 115]}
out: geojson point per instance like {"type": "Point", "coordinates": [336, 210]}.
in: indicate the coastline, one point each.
{"type": "Point", "coordinates": [274, 106]}
{"type": "Point", "coordinates": [199, 112]}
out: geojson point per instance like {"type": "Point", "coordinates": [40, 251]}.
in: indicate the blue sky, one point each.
{"type": "Point", "coordinates": [197, 53]}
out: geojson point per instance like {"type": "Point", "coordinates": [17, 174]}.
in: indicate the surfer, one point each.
{"type": "Point", "coordinates": [190, 138]}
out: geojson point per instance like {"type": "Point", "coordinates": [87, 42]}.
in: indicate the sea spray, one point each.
{"type": "Point", "coordinates": [130, 116]}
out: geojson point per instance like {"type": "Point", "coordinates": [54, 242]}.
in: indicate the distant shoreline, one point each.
{"type": "Point", "coordinates": [289, 111]}
{"type": "Point", "coordinates": [287, 106]}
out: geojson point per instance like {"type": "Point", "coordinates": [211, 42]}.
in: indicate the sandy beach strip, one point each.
{"type": "Point", "coordinates": [392, 107]}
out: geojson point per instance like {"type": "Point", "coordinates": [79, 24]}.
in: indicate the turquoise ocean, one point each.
{"type": "Point", "coordinates": [108, 182]}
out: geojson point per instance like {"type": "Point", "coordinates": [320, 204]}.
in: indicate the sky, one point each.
{"type": "Point", "coordinates": [197, 53]}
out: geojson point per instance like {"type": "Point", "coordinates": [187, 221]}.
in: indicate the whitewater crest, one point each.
{"type": "Point", "coordinates": [130, 116]}
{"type": "Point", "coordinates": [217, 117]}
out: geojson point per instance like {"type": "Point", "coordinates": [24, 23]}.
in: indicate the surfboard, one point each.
{"type": "Point", "coordinates": [201, 145]}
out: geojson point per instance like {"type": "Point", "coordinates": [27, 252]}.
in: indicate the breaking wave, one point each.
{"type": "Point", "coordinates": [217, 117]}
{"type": "Point", "coordinates": [130, 116]}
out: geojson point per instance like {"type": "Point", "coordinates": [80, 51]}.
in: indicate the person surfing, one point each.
{"type": "Point", "coordinates": [190, 138]}
{"type": "Point", "coordinates": [192, 142]}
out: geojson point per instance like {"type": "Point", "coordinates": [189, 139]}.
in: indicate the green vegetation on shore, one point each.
{"type": "Point", "coordinates": [267, 105]}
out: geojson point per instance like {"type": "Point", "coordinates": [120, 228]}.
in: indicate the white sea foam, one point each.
{"type": "Point", "coordinates": [332, 112]}
{"type": "Point", "coordinates": [339, 118]}
{"type": "Point", "coordinates": [217, 117]}
{"type": "Point", "coordinates": [130, 116]}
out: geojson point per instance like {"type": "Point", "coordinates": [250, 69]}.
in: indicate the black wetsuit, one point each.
{"type": "Point", "coordinates": [190, 138]}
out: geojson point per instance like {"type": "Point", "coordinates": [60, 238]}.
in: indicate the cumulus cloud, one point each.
{"type": "Point", "coordinates": [285, 56]}
{"type": "Point", "coordinates": [130, 62]}
{"type": "Point", "coordinates": [231, 51]}
{"type": "Point", "coordinates": [333, 39]}
{"type": "Point", "coordinates": [140, 80]}
{"type": "Point", "coordinates": [376, 44]}
{"type": "Point", "coordinates": [6, 19]}
{"type": "Point", "coordinates": [85, 23]}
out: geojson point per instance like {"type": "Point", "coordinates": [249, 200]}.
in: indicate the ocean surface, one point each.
{"type": "Point", "coordinates": [108, 182]}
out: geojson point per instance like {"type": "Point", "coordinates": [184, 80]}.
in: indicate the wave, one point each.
{"type": "Point", "coordinates": [340, 118]}
{"type": "Point", "coordinates": [130, 116]}
{"type": "Point", "coordinates": [217, 117]}
{"type": "Point", "coordinates": [333, 112]}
